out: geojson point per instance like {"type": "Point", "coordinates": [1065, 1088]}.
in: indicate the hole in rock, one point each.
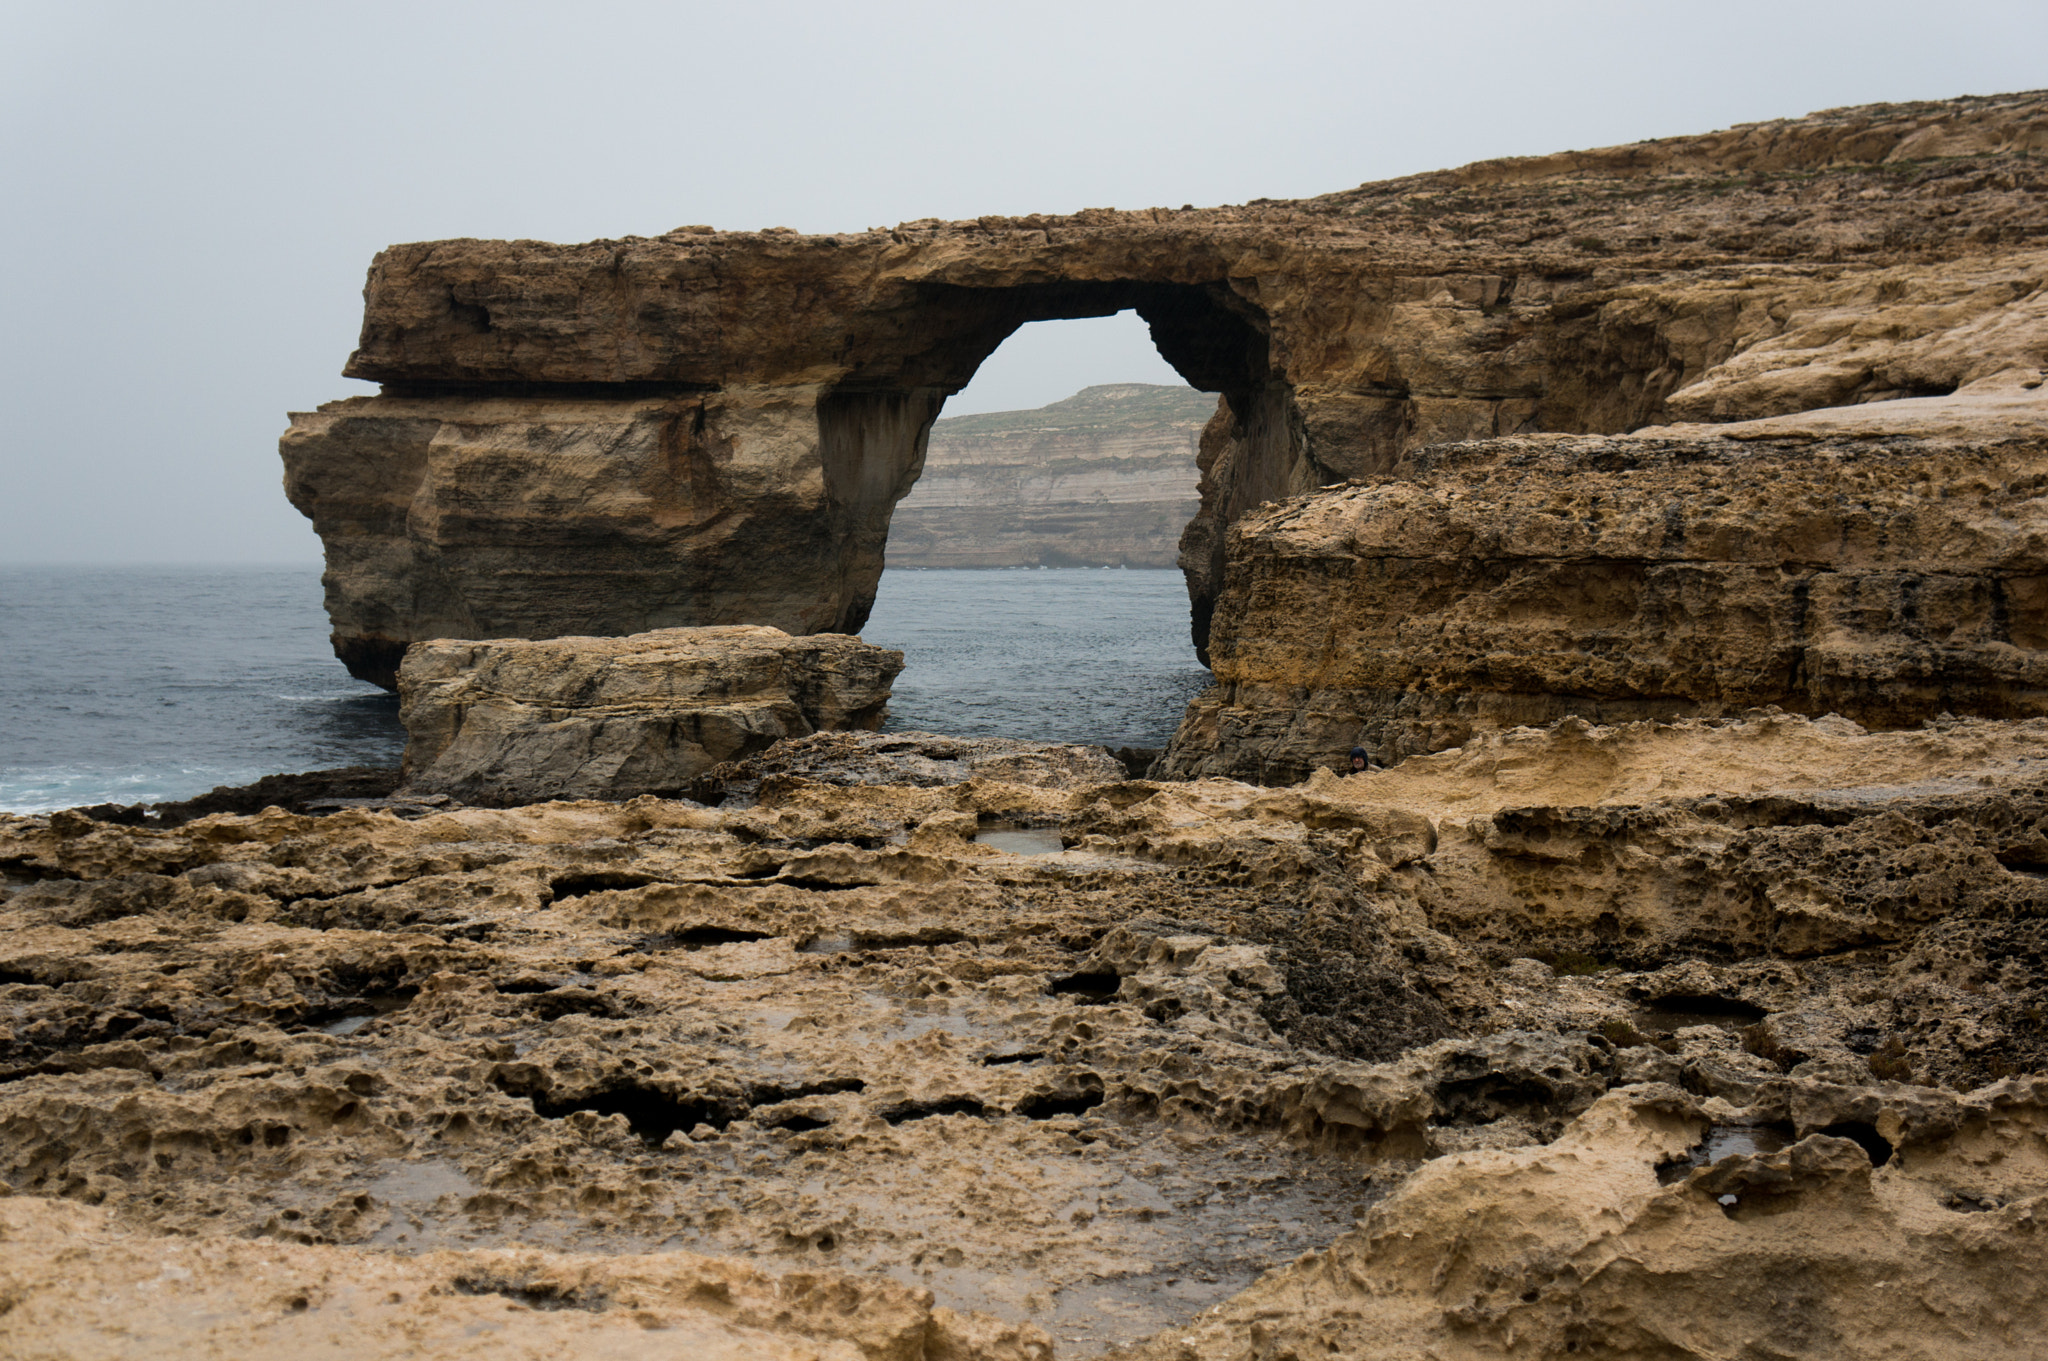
{"type": "Point", "coordinates": [1046, 1105]}
{"type": "Point", "coordinates": [1680, 1010]}
{"type": "Point", "coordinates": [924, 1110]}
{"type": "Point", "coordinates": [17, 873]}
{"type": "Point", "coordinates": [652, 1113]}
{"type": "Point", "coordinates": [1090, 988]}
{"type": "Point", "coordinates": [1728, 1141]}
{"type": "Point", "coordinates": [560, 1002]}
{"type": "Point", "coordinates": [799, 1124]}
{"type": "Point", "coordinates": [1027, 1056]}
{"type": "Point", "coordinates": [545, 1295]}
{"type": "Point", "coordinates": [602, 881]}
{"type": "Point", "coordinates": [1483, 1100]}
{"type": "Point", "coordinates": [699, 937]}
{"type": "Point", "coordinates": [815, 885]}
{"type": "Point", "coordinates": [831, 1086]}
{"type": "Point", "coordinates": [356, 1012]}
{"type": "Point", "coordinates": [1864, 1136]}
{"type": "Point", "coordinates": [1070, 461]}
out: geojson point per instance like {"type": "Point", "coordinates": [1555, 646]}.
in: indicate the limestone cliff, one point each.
{"type": "Point", "coordinates": [714, 427]}
{"type": "Point", "coordinates": [1105, 478]}
{"type": "Point", "coordinates": [1515, 581]}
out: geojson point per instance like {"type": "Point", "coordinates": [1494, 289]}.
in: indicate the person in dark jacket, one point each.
{"type": "Point", "coordinates": [1360, 762]}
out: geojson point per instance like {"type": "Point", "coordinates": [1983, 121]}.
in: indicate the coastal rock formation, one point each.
{"type": "Point", "coordinates": [511, 721]}
{"type": "Point", "coordinates": [234, 1298]}
{"type": "Point", "coordinates": [1842, 1244]}
{"type": "Point", "coordinates": [1105, 478]}
{"type": "Point", "coordinates": [1651, 1036]}
{"type": "Point", "coordinates": [920, 759]}
{"type": "Point", "coordinates": [1485, 585]}
{"type": "Point", "coordinates": [488, 515]}
{"type": "Point", "coordinates": [707, 427]}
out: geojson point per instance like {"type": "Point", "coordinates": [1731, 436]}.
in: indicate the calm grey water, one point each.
{"type": "Point", "coordinates": [136, 684]}
{"type": "Point", "coordinates": [1050, 654]}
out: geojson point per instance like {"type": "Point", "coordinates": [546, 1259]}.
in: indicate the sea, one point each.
{"type": "Point", "coordinates": [143, 684]}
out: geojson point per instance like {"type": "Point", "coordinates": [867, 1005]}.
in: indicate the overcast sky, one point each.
{"type": "Point", "coordinates": [190, 192]}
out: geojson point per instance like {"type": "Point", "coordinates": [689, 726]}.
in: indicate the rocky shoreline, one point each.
{"type": "Point", "coordinates": [1700, 997]}
{"type": "Point", "coordinates": [1679, 988]}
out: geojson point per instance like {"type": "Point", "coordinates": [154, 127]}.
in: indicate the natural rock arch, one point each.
{"type": "Point", "coordinates": [495, 488]}
{"type": "Point", "coordinates": [708, 427]}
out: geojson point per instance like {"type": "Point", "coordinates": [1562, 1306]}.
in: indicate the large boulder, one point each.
{"type": "Point", "coordinates": [510, 721]}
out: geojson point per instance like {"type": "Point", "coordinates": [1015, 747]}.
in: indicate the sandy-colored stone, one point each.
{"type": "Point", "coordinates": [1487, 585]}
{"type": "Point", "coordinates": [709, 427]}
{"type": "Point", "coordinates": [511, 721]}
{"type": "Point", "coordinates": [1513, 996]}
{"type": "Point", "coordinates": [1553, 1251]}
{"type": "Point", "coordinates": [78, 1286]}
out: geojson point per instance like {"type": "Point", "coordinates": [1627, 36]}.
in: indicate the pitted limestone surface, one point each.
{"type": "Point", "coordinates": [830, 1034]}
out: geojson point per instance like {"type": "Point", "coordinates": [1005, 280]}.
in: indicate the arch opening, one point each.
{"type": "Point", "coordinates": [875, 424]}
{"type": "Point", "coordinates": [1032, 570]}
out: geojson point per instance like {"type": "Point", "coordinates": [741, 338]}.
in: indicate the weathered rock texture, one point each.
{"type": "Point", "coordinates": [713, 427]}
{"type": "Point", "coordinates": [511, 721]}
{"type": "Point", "coordinates": [1672, 1040]}
{"type": "Point", "coordinates": [1105, 478]}
{"type": "Point", "coordinates": [215, 1299]}
{"type": "Point", "coordinates": [1486, 585]}
{"type": "Point", "coordinates": [1807, 1251]}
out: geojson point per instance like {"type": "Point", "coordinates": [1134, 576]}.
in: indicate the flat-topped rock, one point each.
{"type": "Point", "coordinates": [512, 721]}
{"type": "Point", "coordinates": [1488, 585]}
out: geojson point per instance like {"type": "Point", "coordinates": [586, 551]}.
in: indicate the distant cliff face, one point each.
{"type": "Point", "coordinates": [1106, 478]}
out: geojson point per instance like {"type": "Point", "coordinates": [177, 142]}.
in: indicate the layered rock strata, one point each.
{"type": "Point", "coordinates": [511, 721]}
{"type": "Point", "coordinates": [1105, 478]}
{"type": "Point", "coordinates": [1481, 586]}
{"type": "Point", "coordinates": [709, 427]}
{"type": "Point", "coordinates": [1666, 1038]}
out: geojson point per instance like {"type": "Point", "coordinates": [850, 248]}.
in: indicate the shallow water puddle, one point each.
{"type": "Point", "coordinates": [1657, 1018]}
{"type": "Point", "coordinates": [1019, 840]}
{"type": "Point", "coordinates": [1157, 1228]}
{"type": "Point", "coordinates": [412, 1192]}
{"type": "Point", "coordinates": [1728, 1141]}
{"type": "Point", "coordinates": [368, 1008]}
{"type": "Point", "coordinates": [1732, 1141]}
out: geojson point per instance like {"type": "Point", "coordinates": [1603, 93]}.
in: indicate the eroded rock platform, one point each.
{"type": "Point", "coordinates": [1529, 1013]}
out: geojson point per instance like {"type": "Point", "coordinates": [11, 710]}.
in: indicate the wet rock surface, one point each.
{"type": "Point", "coordinates": [1527, 1014]}
{"type": "Point", "coordinates": [306, 792]}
